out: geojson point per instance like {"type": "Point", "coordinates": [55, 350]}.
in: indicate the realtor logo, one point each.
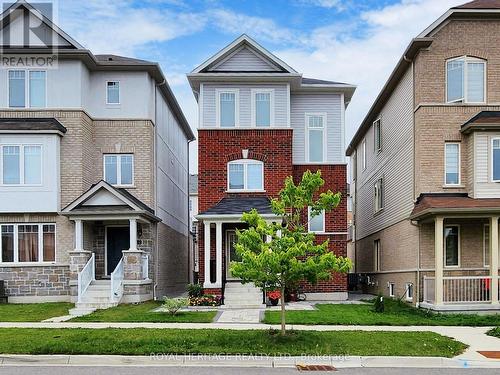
{"type": "Point", "coordinates": [28, 26]}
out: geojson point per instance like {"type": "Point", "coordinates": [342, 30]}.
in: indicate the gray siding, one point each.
{"type": "Point", "coordinates": [483, 186]}
{"type": "Point", "coordinates": [245, 60]}
{"type": "Point", "coordinates": [394, 163]}
{"type": "Point", "coordinates": [331, 104]}
{"type": "Point", "coordinates": [245, 104]}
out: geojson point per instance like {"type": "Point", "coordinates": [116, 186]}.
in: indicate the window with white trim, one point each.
{"type": "Point", "coordinates": [392, 288]}
{"type": "Point", "coordinates": [262, 104]}
{"type": "Point", "coordinates": [27, 88]}
{"type": "Point", "coordinates": [227, 108]}
{"type": "Point", "coordinates": [315, 133]}
{"type": "Point", "coordinates": [495, 159]}
{"type": "Point", "coordinates": [376, 255]}
{"type": "Point", "coordinates": [21, 164]}
{"type": "Point", "coordinates": [363, 156]}
{"type": "Point", "coordinates": [409, 292]}
{"type": "Point", "coordinates": [119, 169]}
{"type": "Point", "coordinates": [112, 92]}
{"type": "Point", "coordinates": [27, 243]}
{"type": "Point", "coordinates": [486, 245]}
{"type": "Point", "coordinates": [245, 175]}
{"type": "Point", "coordinates": [451, 245]}
{"type": "Point", "coordinates": [378, 195]}
{"type": "Point", "coordinates": [377, 136]}
{"type": "Point", "coordinates": [465, 80]}
{"type": "Point", "coordinates": [452, 163]}
{"type": "Point", "coordinates": [316, 223]}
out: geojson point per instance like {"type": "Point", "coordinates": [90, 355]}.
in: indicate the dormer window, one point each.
{"type": "Point", "coordinates": [245, 175]}
{"type": "Point", "coordinates": [227, 108]}
{"type": "Point", "coordinates": [466, 80]}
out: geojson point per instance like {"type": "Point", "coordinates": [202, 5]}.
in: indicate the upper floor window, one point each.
{"type": "Point", "coordinates": [379, 195]}
{"type": "Point", "coordinates": [31, 82]}
{"type": "Point", "coordinates": [245, 175]}
{"type": "Point", "coordinates": [119, 169]}
{"type": "Point", "coordinates": [227, 108]}
{"type": "Point", "coordinates": [495, 159]}
{"type": "Point", "coordinates": [452, 163]}
{"type": "Point", "coordinates": [262, 103]}
{"type": "Point", "coordinates": [315, 134]}
{"type": "Point", "coordinates": [465, 80]}
{"type": "Point", "coordinates": [112, 92]}
{"type": "Point", "coordinates": [21, 164]}
{"type": "Point", "coordinates": [27, 243]}
{"type": "Point", "coordinates": [363, 156]}
{"type": "Point", "coordinates": [377, 130]}
{"type": "Point", "coordinates": [316, 223]}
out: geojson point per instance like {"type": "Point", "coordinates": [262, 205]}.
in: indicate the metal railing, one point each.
{"type": "Point", "coordinates": [117, 282]}
{"type": "Point", "coordinates": [145, 266]}
{"type": "Point", "coordinates": [460, 289]}
{"type": "Point", "coordinates": [86, 276]}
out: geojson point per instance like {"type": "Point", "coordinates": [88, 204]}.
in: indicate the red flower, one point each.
{"type": "Point", "coordinates": [274, 294]}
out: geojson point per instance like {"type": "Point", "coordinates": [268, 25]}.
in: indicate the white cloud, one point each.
{"type": "Point", "coordinates": [330, 4]}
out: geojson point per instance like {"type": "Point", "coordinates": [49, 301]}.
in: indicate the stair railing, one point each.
{"type": "Point", "coordinates": [117, 282]}
{"type": "Point", "coordinates": [86, 276]}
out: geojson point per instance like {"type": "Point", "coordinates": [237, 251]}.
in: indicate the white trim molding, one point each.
{"type": "Point", "coordinates": [236, 93]}
{"type": "Point", "coordinates": [253, 93]}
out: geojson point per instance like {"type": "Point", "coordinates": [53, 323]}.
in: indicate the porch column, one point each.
{"type": "Point", "coordinates": [78, 235]}
{"type": "Point", "coordinates": [439, 256]}
{"type": "Point", "coordinates": [494, 258]}
{"type": "Point", "coordinates": [133, 234]}
{"type": "Point", "coordinates": [218, 253]}
{"type": "Point", "coordinates": [206, 237]}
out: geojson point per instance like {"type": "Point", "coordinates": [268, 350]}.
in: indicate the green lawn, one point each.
{"type": "Point", "coordinates": [140, 341]}
{"type": "Point", "coordinates": [495, 332]}
{"type": "Point", "coordinates": [142, 313]}
{"type": "Point", "coordinates": [32, 312]}
{"type": "Point", "coordinates": [396, 314]}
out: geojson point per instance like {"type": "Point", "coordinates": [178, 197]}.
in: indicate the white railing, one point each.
{"type": "Point", "coordinates": [86, 276]}
{"type": "Point", "coordinates": [145, 266]}
{"type": "Point", "coordinates": [467, 289]}
{"type": "Point", "coordinates": [429, 289]}
{"type": "Point", "coordinates": [117, 282]}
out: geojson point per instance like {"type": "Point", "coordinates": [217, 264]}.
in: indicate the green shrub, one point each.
{"type": "Point", "coordinates": [379, 305]}
{"type": "Point", "coordinates": [195, 290]}
{"type": "Point", "coordinates": [173, 305]}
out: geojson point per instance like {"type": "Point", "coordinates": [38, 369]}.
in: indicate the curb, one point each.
{"type": "Point", "coordinates": [214, 360]}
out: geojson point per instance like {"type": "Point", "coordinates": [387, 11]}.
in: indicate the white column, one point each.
{"type": "Point", "coordinates": [218, 253]}
{"type": "Point", "coordinates": [206, 259]}
{"type": "Point", "coordinates": [133, 234]}
{"type": "Point", "coordinates": [494, 259]}
{"type": "Point", "coordinates": [439, 254]}
{"type": "Point", "coordinates": [78, 235]}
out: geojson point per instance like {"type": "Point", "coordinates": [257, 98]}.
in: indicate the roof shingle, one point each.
{"type": "Point", "coordinates": [238, 205]}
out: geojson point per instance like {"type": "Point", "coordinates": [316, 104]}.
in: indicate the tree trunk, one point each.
{"type": "Point", "coordinates": [283, 327]}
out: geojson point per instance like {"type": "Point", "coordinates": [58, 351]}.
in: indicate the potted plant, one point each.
{"type": "Point", "coordinates": [274, 297]}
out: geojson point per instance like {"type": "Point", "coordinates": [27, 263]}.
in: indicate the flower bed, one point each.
{"type": "Point", "coordinates": [205, 300]}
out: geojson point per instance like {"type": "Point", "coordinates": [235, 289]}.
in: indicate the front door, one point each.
{"type": "Point", "coordinates": [117, 240]}
{"type": "Point", "coordinates": [231, 255]}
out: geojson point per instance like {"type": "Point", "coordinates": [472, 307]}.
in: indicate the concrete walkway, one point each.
{"type": "Point", "coordinates": [475, 337]}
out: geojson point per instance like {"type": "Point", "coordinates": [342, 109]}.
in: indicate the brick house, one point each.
{"type": "Point", "coordinates": [93, 174]}
{"type": "Point", "coordinates": [259, 122]}
{"type": "Point", "coordinates": [426, 168]}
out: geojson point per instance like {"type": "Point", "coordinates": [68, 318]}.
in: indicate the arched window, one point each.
{"type": "Point", "coordinates": [245, 175]}
{"type": "Point", "coordinates": [465, 80]}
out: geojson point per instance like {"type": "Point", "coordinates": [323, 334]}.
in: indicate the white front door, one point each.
{"type": "Point", "coordinates": [231, 255]}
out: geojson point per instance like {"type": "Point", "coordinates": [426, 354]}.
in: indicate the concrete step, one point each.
{"type": "Point", "coordinates": [241, 307]}
{"type": "Point", "coordinates": [87, 299]}
{"type": "Point", "coordinates": [95, 305]}
{"type": "Point", "coordinates": [80, 311]}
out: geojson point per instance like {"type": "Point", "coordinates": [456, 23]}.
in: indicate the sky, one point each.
{"type": "Point", "coordinates": [353, 41]}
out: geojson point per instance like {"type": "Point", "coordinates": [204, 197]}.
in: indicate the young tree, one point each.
{"type": "Point", "coordinates": [279, 255]}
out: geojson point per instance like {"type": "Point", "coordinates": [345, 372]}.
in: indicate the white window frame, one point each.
{"type": "Point", "coordinates": [236, 93]}
{"type": "Point", "coordinates": [119, 92]}
{"type": "Point", "coordinates": [309, 222]}
{"type": "Point", "coordinates": [21, 163]}
{"type": "Point", "coordinates": [254, 93]}
{"type": "Point", "coordinates": [118, 169]}
{"type": "Point", "coordinates": [27, 101]}
{"type": "Point", "coordinates": [377, 148]}
{"type": "Point", "coordinates": [377, 249]}
{"type": "Point", "coordinates": [493, 139]}
{"type": "Point", "coordinates": [444, 246]}
{"type": "Point", "coordinates": [306, 119]}
{"type": "Point", "coordinates": [486, 259]}
{"type": "Point", "coordinates": [459, 163]}
{"type": "Point", "coordinates": [378, 191]}
{"type": "Point", "coordinates": [466, 60]}
{"type": "Point", "coordinates": [40, 244]}
{"type": "Point", "coordinates": [392, 289]}
{"type": "Point", "coordinates": [408, 295]}
{"type": "Point", "coordinates": [245, 163]}
{"type": "Point", "coordinates": [363, 150]}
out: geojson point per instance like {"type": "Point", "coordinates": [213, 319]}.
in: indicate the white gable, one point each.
{"type": "Point", "coordinates": [245, 60]}
{"type": "Point", "coordinates": [104, 197]}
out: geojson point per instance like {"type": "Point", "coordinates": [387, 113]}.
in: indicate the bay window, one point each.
{"type": "Point", "coordinates": [315, 133]}
{"type": "Point", "coordinates": [227, 108]}
{"type": "Point", "coordinates": [21, 164]}
{"type": "Point", "coordinates": [33, 82]}
{"type": "Point", "coordinates": [465, 80]}
{"type": "Point", "coordinates": [245, 175]}
{"type": "Point", "coordinates": [451, 245]}
{"type": "Point", "coordinates": [119, 169]}
{"type": "Point", "coordinates": [27, 243]}
{"type": "Point", "coordinates": [452, 163]}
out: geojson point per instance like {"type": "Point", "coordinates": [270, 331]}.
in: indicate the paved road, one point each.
{"type": "Point", "coordinates": [63, 370]}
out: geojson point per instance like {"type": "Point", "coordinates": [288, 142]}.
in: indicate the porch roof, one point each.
{"type": "Point", "coordinates": [238, 205]}
{"type": "Point", "coordinates": [484, 120]}
{"type": "Point", "coordinates": [38, 125]}
{"type": "Point", "coordinates": [430, 204]}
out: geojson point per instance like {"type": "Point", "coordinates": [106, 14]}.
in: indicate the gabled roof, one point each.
{"type": "Point", "coordinates": [39, 125]}
{"type": "Point", "coordinates": [480, 4]}
{"type": "Point", "coordinates": [247, 42]}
